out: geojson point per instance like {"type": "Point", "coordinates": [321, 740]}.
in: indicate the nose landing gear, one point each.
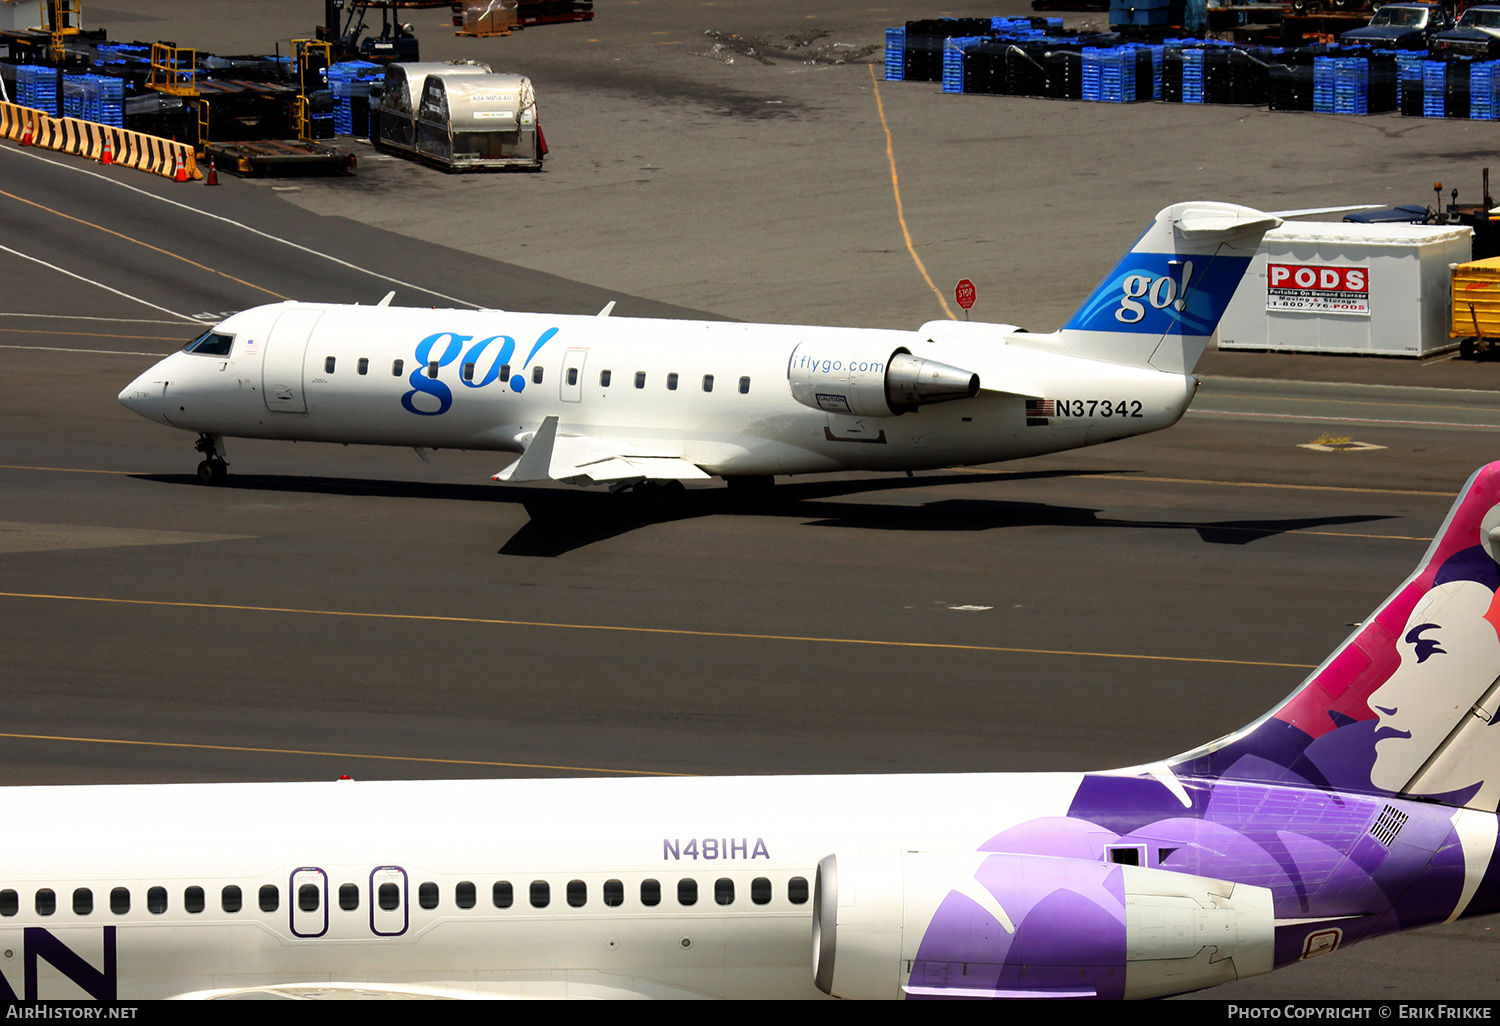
{"type": "Point", "coordinates": [213, 469]}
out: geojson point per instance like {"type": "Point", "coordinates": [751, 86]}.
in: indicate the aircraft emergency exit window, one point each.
{"type": "Point", "coordinates": [427, 895]}
{"type": "Point", "coordinates": [760, 891]}
{"type": "Point", "coordinates": [119, 900]}
{"type": "Point", "coordinates": [156, 900]}
{"type": "Point", "coordinates": [83, 902]}
{"type": "Point", "coordinates": [270, 898]}
{"type": "Point", "coordinates": [463, 895]}
{"type": "Point", "coordinates": [796, 890]}
{"type": "Point", "coordinates": [468, 372]}
{"type": "Point", "coordinates": [308, 897]}
{"type": "Point", "coordinates": [536, 375]}
{"type": "Point", "coordinates": [687, 892]}
{"type": "Point", "coordinates": [364, 365]}
{"type": "Point", "coordinates": [650, 892]}
{"type": "Point", "coordinates": [210, 343]}
{"type": "Point", "coordinates": [10, 902]}
{"type": "Point", "coordinates": [388, 897]}
{"type": "Point", "coordinates": [328, 364]}
{"type": "Point", "coordinates": [708, 382]}
{"type": "Point", "coordinates": [46, 902]}
{"type": "Point", "coordinates": [192, 899]}
{"type": "Point", "coordinates": [349, 897]}
{"type": "Point", "coordinates": [432, 369]}
{"type": "Point", "coordinates": [572, 375]}
{"type": "Point", "coordinates": [578, 893]}
{"type": "Point", "coordinates": [672, 382]}
{"type": "Point", "coordinates": [604, 377]}
{"type": "Point", "coordinates": [640, 379]}
{"type": "Point", "coordinates": [230, 899]}
{"type": "Point", "coordinates": [502, 895]}
{"type": "Point", "coordinates": [744, 386]}
{"type": "Point", "coordinates": [723, 891]}
{"type": "Point", "coordinates": [396, 366]}
{"type": "Point", "coordinates": [541, 894]}
{"type": "Point", "coordinates": [614, 893]}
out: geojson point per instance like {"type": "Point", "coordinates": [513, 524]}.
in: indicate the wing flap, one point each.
{"type": "Point", "coordinates": [576, 459]}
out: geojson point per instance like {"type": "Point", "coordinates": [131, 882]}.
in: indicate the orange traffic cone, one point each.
{"type": "Point", "coordinates": [179, 167]}
{"type": "Point", "coordinates": [108, 156]}
{"type": "Point", "coordinates": [213, 173]}
{"type": "Point", "coordinates": [26, 134]}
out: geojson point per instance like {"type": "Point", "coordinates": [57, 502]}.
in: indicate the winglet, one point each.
{"type": "Point", "coordinates": [386, 299]}
{"type": "Point", "coordinates": [609, 308]}
{"type": "Point", "coordinates": [535, 463]}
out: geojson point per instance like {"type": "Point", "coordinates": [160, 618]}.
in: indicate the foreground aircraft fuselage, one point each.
{"type": "Point", "coordinates": [1363, 804]}
{"type": "Point", "coordinates": [629, 401]}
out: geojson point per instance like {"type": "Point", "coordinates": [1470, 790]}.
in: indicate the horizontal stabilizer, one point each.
{"type": "Point", "coordinates": [575, 459]}
{"type": "Point", "coordinates": [1211, 223]}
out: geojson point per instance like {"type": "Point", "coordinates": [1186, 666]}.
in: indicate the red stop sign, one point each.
{"type": "Point", "coordinates": [964, 293]}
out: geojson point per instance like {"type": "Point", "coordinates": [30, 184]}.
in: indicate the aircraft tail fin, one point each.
{"type": "Point", "coordinates": [1161, 303]}
{"type": "Point", "coordinates": [1409, 704]}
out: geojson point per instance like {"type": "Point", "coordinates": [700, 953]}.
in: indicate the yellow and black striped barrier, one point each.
{"type": "Point", "coordinates": [90, 139]}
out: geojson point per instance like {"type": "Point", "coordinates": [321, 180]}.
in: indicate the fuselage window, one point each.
{"type": "Point", "coordinates": [468, 372]}
{"type": "Point", "coordinates": [463, 895]}
{"type": "Point", "coordinates": [46, 902]}
{"type": "Point", "coordinates": [687, 891]}
{"type": "Point", "coordinates": [614, 893]}
{"type": "Point", "coordinates": [724, 891]}
{"type": "Point", "coordinates": [604, 377]}
{"type": "Point", "coordinates": [364, 365]}
{"type": "Point", "coordinates": [708, 382]}
{"type": "Point", "coordinates": [502, 895]}
{"type": "Point", "coordinates": [650, 892]}
{"type": "Point", "coordinates": [308, 897]}
{"type": "Point", "coordinates": [328, 364]}
{"type": "Point", "coordinates": [156, 900]}
{"type": "Point", "coordinates": [796, 890]}
{"type": "Point", "coordinates": [640, 379]}
{"type": "Point", "coordinates": [10, 902]}
{"type": "Point", "coordinates": [230, 899]}
{"type": "Point", "coordinates": [210, 343]}
{"type": "Point", "coordinates": [270, 898]}
{"type": "Point", "coordinates": [427, 895]}
{"type": "Point", "coordinates": [432, 369]}
{"type": "Point", "coordinates": [572, 375]}
{"type": "Point", "coordinates": [349, 897]}
{"type": "Point", "coordinates": [672, 382]}
{"type": "Point", "coordinates": [83, 902]}
{"type": "Point", "coordinates": [192, 899]}
{"type": "Point", "coordinates": [119, 900]}
{"type": "Point", "coordinates": [541, 894]}
{"type": "Point", "coordinates": [536, 375]}
{"type": "Point", "coordinates": [578, 893]}
{"type": "Point", "coordinates": [396, 366]}
{"type": "Point", "coordinates": [760, 891]}
{"type": "Point", "coordinates": [389, 896]}
{"type": "Point", "coordinates": [744, 386]}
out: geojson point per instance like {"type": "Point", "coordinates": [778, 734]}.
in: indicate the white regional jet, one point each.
{"type": "Point", "coordinates": [632, 402]}
{"type": "Point", "coordinates": [1362, 805]}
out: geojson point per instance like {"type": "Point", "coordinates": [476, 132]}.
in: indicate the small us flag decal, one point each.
{"type": "Point", "coordinates": [1039, 410]}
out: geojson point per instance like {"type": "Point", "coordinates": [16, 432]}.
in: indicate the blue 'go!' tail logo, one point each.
{"type": "Point", "coordinates": [422, 382]}
{"type": "Point", "coordinates": [1160, 293]}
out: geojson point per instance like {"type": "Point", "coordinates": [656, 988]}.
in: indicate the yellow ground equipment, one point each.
{"type": "Point", "coordinates": [1476, 304]}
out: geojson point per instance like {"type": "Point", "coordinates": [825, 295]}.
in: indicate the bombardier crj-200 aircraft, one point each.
{"type": "Point", "coordinates": [649, 404]}
{"type": "Point", "coordinates": [1363, 804]}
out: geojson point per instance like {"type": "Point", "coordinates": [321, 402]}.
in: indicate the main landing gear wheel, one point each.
{"type": "Point", "coordinates": [212, 471]}
{"type": "Point", "coordinates": [653, 498]}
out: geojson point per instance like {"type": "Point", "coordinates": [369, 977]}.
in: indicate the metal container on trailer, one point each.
{"type": "Point", "coordinates": [1377, 289]}
{"type": "Point", "coordinates": [460, 116]}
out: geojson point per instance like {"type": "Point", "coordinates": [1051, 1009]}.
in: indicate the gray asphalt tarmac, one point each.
{"type": "Point", "coordinates": [353, 610]}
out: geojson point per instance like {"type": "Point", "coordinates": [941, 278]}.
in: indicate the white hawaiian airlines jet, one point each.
{"type": "Point", "coordinates": [1362, 805]}
{"type": "Point", "coordinates": [632, 402]}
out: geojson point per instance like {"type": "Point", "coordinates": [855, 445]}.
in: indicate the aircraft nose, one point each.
{"type": "Point", "coordinates": [144, 395]}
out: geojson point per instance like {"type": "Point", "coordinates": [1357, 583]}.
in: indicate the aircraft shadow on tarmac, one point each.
{"type": "Point", "coordinates": [562, 520]}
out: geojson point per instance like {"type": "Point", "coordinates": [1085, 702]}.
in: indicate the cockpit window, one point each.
{"type": "Point", "coordinates": [210, 343]}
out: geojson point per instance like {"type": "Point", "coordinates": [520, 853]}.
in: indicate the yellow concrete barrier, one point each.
{"type": "Point", "coordinates": [86, 139]}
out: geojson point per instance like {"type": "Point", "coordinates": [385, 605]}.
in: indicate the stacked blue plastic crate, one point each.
{"type": "Point", "coordinates": [1434, 89]}
{"type": "Point", "coordinates": [1341, 85]}
{"type": "Point", "coordinates": [349, 80]}
{"type": "Point", "coordinates": [1484, 81]}
{"type": "Point", "coordinates": [953, 61]}
{"type": "Point", "coordinates": [96, 98]}
{"type": "Point", "coordinates": [1192, 76]}
{"type": "Point", "coordinates": [36, 87]}
{"type": "Point", "coordinates": [895, 53]}
{"type": "Point", "coordinates": [1109, 74]}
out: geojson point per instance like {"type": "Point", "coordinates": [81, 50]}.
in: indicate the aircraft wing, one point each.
{"type": "Point", "coordinates": [575, 459]}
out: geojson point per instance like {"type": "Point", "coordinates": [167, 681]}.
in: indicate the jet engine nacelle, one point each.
{"type": "Point", "coordinates": [869, 379]}
{"type": "Point", "coordinates": [979, 924]}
